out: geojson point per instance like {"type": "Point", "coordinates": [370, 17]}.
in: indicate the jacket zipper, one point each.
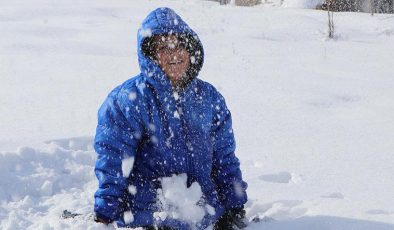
{"type": "Point", "coordinates": [189, 168]}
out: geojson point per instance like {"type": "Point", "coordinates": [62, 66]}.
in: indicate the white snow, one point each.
{"type": "Point", "coordinates": [48, 181]}
{"type": "Point", "coordinates": [46, 188]}
{"type": "Point", "coordinates": [128, 217]}
{"type": "Point", "coordinates": [180, 202]}
{"type": "Point", "coordinates": [132, 96]}
{"type": "Point", "coordinates": [141, 87]}
{"type": "Point", "coordinates": [282, 177]}
{"type": "Point", "coordinates": [146, 33]}
{"type": "Point", "coordinates": [132, 189]}
{"type": "Point", "coordinates": [313, 117]}
{"type": "Point", "coordinates": [127, 166]}
{"type": "Point", "coordinates": [176, 114]}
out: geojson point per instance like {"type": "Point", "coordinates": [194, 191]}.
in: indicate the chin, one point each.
{"type": "Point", "coordinates": [176, 78]}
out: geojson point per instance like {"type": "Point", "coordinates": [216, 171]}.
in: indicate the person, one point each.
{"type": "Point", "coordinates": [168, 122]}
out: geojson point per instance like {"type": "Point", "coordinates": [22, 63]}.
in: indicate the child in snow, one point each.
{"type": "Point", "coordinates": [165, 122]}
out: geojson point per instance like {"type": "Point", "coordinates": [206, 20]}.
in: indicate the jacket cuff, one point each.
{"type": "Point", "coordinates": [238, 208]}
{"type": "Point", "coordinates": [102, 217]}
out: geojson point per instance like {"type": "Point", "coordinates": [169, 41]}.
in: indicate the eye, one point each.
{"type": "Point", "coordinates": [161, 48]}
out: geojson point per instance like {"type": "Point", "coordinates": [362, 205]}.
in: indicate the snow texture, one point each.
{"type": "Point", "coordinates": [127, 166]}
{"type": "Point", "coordinates": [180, 202]}
{"type": "Point", "coordinates": [128, 217]}
{"type": "Point", "coordinates": [313, 117]}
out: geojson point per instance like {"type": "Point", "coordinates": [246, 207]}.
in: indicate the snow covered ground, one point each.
{"type": "Point", "coordinates": [313, 117]}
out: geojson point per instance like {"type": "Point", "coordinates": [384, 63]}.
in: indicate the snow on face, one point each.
{"type": "Point", "coordinates": [172, 57]}
{"type": "Point", "coordinates": [192, 59]}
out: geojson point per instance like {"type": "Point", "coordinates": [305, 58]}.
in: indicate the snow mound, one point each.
{"type": "Point", "coordinates": [38, 184]}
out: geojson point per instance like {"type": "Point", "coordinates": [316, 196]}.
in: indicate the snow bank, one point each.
{"type": "Point", "coordinates": [313, 118]}
{"type": "Point", "coordinates": [36, 185]}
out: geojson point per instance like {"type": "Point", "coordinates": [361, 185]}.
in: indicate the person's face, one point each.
{"type": "Point", "coordinates": [172, 57]}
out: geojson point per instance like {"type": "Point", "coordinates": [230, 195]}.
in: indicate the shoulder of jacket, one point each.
{"type": "Point", "coordinates": [127, 88]}
{"type": "Point", "coordinates": [132, 83]}
{"type": "Point", "coordinates": [215, 94]}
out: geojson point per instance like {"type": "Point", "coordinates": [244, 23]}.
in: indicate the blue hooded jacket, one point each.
{"type": "Point", "coordinates": [167, 133]}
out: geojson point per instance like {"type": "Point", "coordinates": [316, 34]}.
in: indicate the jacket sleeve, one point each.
{"type": "Point", "coordinates": [115, 140]}
{"type": "Point", "coordinates": [226, 171]}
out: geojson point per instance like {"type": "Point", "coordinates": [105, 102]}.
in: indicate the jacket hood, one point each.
{"type": "Point", "coordinates": [164, 21]}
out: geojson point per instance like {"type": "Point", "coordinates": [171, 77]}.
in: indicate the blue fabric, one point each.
{"type": "Point", "coordinates": [189, 132]}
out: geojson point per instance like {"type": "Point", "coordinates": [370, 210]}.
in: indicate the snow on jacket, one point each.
{"type": "Point", "coordinates": [166, 133]}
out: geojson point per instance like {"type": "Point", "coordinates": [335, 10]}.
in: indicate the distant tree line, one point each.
{"type": "Point", "coordinates": [372, 6]}
{"type": "Point", "coordinates": [240, 2]}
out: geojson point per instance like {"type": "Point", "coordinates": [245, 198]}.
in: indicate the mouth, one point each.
{"type": "Point", "coordinates": [175, 62]}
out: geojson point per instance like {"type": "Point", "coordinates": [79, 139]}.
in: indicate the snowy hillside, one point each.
{"type": "Point", "coordinates": [313, 118]}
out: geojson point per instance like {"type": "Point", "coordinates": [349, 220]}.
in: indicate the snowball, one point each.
{"type": "Point", "coordinates": [180, 202]}
{"type": "Point", "coordinates": [128, 217]}
{"type": "Point", "coordinates": [127, 166]}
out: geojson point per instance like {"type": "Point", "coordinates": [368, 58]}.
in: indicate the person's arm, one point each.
{"type": "Point", "coordinates": [226, 169]}
{"type": "Point", "coordinates": [114, 141]}
{"type": "Point", "coordinates": [226, 166]}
